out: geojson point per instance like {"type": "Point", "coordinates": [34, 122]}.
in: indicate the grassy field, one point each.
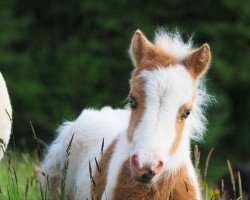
{"type": "Point", "coordinates": [18, 178]}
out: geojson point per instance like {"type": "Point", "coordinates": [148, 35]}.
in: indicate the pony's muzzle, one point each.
{"type": "Point", "coordinates": [145, 174]}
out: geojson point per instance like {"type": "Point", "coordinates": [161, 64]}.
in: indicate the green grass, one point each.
{"type": "Point", "coordinates": [17, 178]}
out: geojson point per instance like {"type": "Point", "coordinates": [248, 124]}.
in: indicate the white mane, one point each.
{"type": "Point", "coordinates": [202, 100]}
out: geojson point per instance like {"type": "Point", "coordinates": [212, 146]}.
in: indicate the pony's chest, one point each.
{"type": "Point", "coordinates": [127, 188]}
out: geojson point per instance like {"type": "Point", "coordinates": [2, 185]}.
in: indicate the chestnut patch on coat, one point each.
{"type": "Point", "coordinates": [147, 56]}
{"type": "Point", "coordinates": [176, 185]}
{"type": "Point", "coordinates": [137, 91]}
{"type": "Point", "coordinates": [100, 177]}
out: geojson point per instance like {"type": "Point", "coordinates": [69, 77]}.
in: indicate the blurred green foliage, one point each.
{"type": "Point", "coordinates": [59, 57]}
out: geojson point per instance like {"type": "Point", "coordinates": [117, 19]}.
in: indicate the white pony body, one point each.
{"type": "Point", "coordinates": [89, 129]}
{"type": "Point", "coordinates": [5, 116]}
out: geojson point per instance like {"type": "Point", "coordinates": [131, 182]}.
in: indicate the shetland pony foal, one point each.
{"type": "Point", "coordinates": [146, 152]}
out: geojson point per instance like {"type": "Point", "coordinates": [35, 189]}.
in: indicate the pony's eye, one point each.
{"type": "Point", "coordinates": [185, 114]}
{"type": "Point", "coordinates": [132, 102]}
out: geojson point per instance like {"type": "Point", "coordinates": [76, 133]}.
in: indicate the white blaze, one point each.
{"type": "Point", "coordinates": [166, 90]}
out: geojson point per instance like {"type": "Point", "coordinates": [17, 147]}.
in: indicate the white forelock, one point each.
{"type": "Point", "coordinates": [173, 44]}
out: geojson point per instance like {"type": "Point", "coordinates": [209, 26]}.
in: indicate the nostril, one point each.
{"type": "Point", "coordinates": [160, 164]}
{"type": "Point", "coordinates": [151, 173]}
{"type": "Point", "coordinates": [158, 167]}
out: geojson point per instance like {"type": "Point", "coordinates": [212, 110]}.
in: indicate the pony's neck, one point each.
{"type": "Point", "coordinates": [176, 185]}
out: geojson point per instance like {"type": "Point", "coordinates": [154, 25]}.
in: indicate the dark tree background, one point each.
{"type": "Point", "coordinates": [59, 57]}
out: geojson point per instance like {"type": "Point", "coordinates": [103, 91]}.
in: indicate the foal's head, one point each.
{"type": "Point", "coordinates": [165, 102]}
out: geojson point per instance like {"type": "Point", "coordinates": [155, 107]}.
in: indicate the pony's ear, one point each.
{"type": "Point", "coordinates": [198, 62]}
{"type": "Point", "coordinates": [140, 48]}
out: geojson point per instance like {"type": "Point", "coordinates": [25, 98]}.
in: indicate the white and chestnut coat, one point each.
{"type": "Point", "coordinates": [146, 152]}
{"type": "Point", "coordinates": [5, 116]}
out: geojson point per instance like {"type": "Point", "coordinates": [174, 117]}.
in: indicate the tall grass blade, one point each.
{"type": "Point", "coordinates": [65, 169]}
{"type": "Point", "coordinates": [8, 115]}
{"type": "Point", "coordinates": [240, 186]}
{"type": "Point", "coordinates": [207, 162]}
{"type": "Point", "coordinates": [222, 187]}
{"type": "Point", "coordinates": [26, 190]}
{"type": "Point", "coordinates": [197, 157]}
{"type": "Point", "coordinates": [38, 141]}
{"type": "Point", "coordinates": [97, 165]}
{"type": "Point", "coordinates": [232, 178]}
{"type": "Point", "coordinates": [102, 146]}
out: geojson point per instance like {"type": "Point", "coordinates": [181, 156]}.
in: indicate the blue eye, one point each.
{"type": "Point", "coordinates": [132, 102]}
{"type": "Point", "coordinates": [185, 114]}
